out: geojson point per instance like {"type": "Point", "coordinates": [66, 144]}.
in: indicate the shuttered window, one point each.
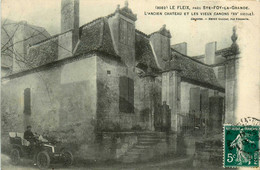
{"type": "Point", "coordinates": [27, 101]}
{"type": "Point", "coordinates": [126, 95]}
{"type": "Point", "coordinates": [130, 35]}
{"type": "Point", "coordinates": [204, 101]}
{"type": "Point", "coordinates": [123, 31]}
{"type": "Point", "coordinates": [195, 100]}
{"type": "Point", "coordinates": [126, 32]}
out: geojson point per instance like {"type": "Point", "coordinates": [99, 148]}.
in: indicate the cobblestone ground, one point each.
{"type": "Point", "coordinates": [180, 163]}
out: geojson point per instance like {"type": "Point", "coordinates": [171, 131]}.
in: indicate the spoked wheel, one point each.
{"type": "Point", "coordinates": [43, 160]}
{"type": "Point", "coordinates": [15, 156]}
{"type": "Point", "coordinates": [68, 158]}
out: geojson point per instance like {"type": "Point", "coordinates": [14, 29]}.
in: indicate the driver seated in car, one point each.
{"type": "Point", "coordinates": [29, 136]}
{"type": "Point", "coordinates": [32, 138]}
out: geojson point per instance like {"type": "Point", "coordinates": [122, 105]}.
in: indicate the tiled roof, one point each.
{"type": "Point", "coordinates": [193, 70]}
{"type": "Point", "coordinates": [96, 36]}
{"type": "Point", "coordinates": [198, 57]}
{"type": "Point", "coordinates": [226, 52]}
{"type": "Point", "coordinates": [46, 52]}
{"type": "Point", "coordinates": [143, 51]}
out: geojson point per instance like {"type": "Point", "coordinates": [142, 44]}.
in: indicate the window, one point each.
{"type": "Point", "coordinates": [130, 30]}
{"type": "Point", "coordinates": [165, 47]}
{"type": "Point", "coordinates": [122, 31]}
{"type": "Point", "coordinates": [126, 95]}
{"type": "Point", "coordinates": [108, 72]}
{"type": "Point", "coordinates": [195, 100]}
{"type": "Point", "coordinates": [204, 101]}
{"type": "Point", "coordinates": [126, 30]}
{"type": "Point", "coordinates": [27, 101]}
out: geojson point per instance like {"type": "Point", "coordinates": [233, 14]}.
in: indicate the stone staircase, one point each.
{"type": "Point", "coordinates": [144, 148]}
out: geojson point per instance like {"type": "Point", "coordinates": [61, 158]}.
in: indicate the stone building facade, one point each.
{"type": "Point", "coordinates": [105, 77]}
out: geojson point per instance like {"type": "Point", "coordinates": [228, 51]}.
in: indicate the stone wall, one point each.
{"type": "Point", "coordinates": [145, 91]}
{"type": "Point", "coordinates": [147, 97]}
{"type": "Point", "coordinates": [66, 46]}
{"type": "Point", "coordinates": [171, 94]}
{"type": "Point", "coordinates": [231, 90]}
{"type": "Point", "coordinates": [63, 104]}
{"type": "Point", "coordinates": [185, 96]}
{"type": "Point", "coordinates": [197, 105]}
{"type": "Point", "coordinates": [108, 114]}
{"type": "Point", "coordinates": [113, 145]}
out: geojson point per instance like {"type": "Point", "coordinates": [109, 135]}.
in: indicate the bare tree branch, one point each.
{"type": "Point", "coordinates": [52, 40]}
{"type": "Point", "coordinates": [10, 38]}
{"type": "Point", "coordinates": [24, 39]}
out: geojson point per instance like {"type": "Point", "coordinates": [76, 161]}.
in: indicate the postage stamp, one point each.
{"type": "Point", "coordinates": [241, 146]}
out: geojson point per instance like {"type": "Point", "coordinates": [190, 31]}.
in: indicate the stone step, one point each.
{"type": "Point", "coordinates": [129, 160]}
{"type": "Point", "coordinates": [133, 153]}
{"type": "Point", "coordinates": [149, 140]}
{"type": "Point", "coordinates": [138, 149]}
{"type": "Point", "coordinates": [148, 137]}
{"type": "Point", "coordinates": [130, 157]}
{"type": "Point", "coordinates": [147, 143]}
{"type": "Point", "coordinates": [141, 146]}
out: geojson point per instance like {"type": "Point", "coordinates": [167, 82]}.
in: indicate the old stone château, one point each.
{"type": "Point", "coordinates": [102, 86]}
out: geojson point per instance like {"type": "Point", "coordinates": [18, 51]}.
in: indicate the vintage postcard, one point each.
{"type": "Point", "coordinates": [129, 84]}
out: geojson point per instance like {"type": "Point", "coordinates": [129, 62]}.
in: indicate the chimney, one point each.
{"type": "Point", "coordinates": [69, 26]}
{"type": "Point", "coordinates": [19, 48]}
{"type": "Point", "coordinates": [210, 50]}
{"type": "Point", "coordinates": [181, 48]}
{"type": "Point", "coordinates": [160, 42]}
{"type": "Point", "coordinates": [69, 15]}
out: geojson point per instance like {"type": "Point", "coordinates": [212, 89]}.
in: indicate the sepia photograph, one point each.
{"type": "Point", "coordinates": [129, 84]}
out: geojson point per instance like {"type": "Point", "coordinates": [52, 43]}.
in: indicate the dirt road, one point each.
{"type": "Point", "coordinates": [184, 163]}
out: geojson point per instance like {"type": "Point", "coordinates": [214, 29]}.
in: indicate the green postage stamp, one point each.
{"type": "Point", "coordinates": [241, 146]}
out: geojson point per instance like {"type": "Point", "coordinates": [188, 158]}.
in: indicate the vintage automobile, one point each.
{"type": "Point", "coordinates": [46, 152]}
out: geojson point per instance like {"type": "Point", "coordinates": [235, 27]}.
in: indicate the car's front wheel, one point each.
{"type": "Point", "coordinates": [15, 156]}
{"type": "Point", "coordinates": [68, 158]}
{"type": "Point", "coordinates": [43, 160]}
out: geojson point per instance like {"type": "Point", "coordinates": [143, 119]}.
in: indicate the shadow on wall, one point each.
{"type": "Point", "coordinates": [10, 121]}
{"type": "Point", "coordinates": [109, 117]}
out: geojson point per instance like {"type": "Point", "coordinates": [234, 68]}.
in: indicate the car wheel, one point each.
{"type": "Point", "coordinates": [68, 158]}
{"type": "Point", "coordinates": [15, 156]}
{"type": "Point", "coordinates": [43, 160]}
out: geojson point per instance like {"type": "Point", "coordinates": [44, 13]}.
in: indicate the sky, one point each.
{"type": "Point", "coordinates": [46, 13]}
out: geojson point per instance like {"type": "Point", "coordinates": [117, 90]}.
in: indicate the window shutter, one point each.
{"type": "Point", "coordinates": [131, 95]}
{"type": "Point", "coordinates": [204, 101]}
{"type": "Point", "coordinates": [195, 100]}
{"type": "Point", "coordinates": [27, 101]}
{"type": "Point", "coordinates": [130, 35]}
{"type": "Point", "coordinates": [123, 94]}
{"type": "Point", "coordinates": [124, 31]}
{"type": "Point", "coordinates": [121, 32]}
{"type": "Point", "coordinates": [126, 95]}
